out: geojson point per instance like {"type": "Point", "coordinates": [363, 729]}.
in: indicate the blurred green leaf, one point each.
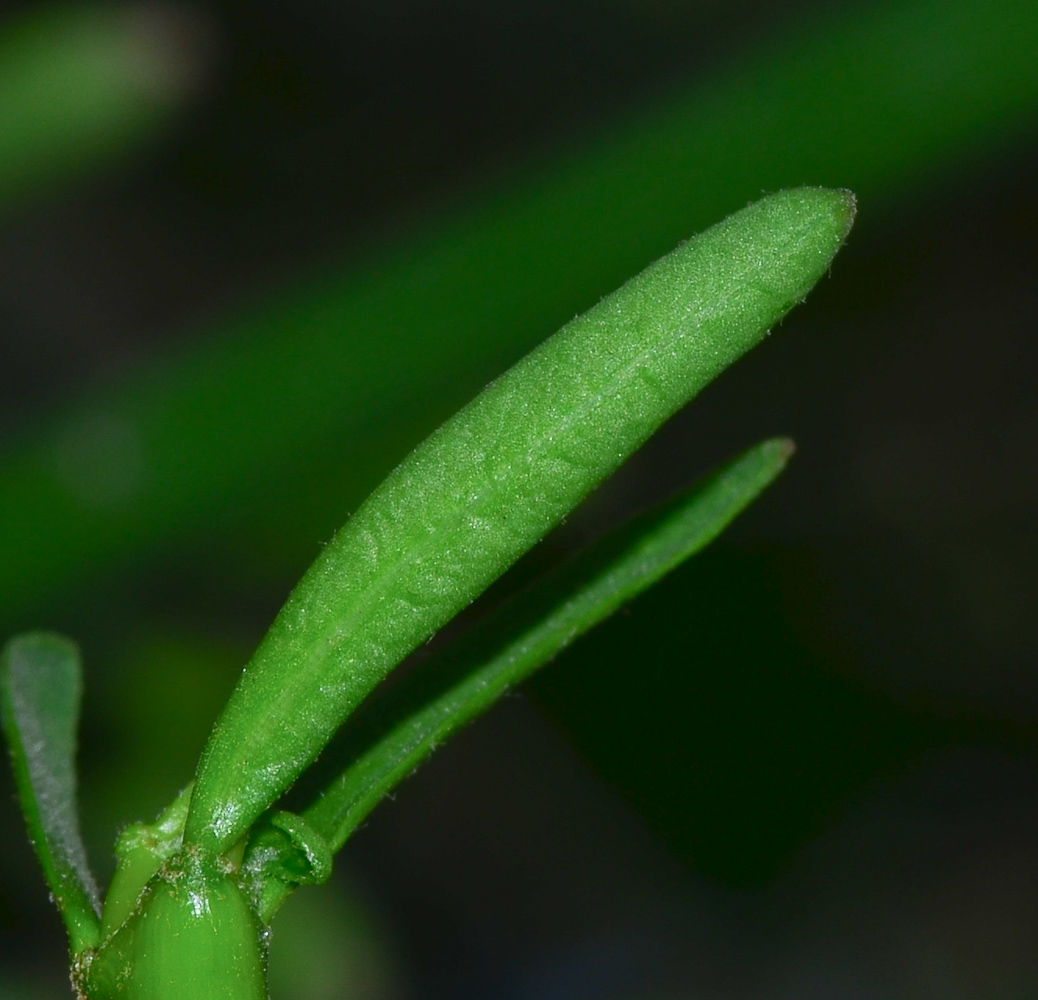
{"type": "Point", "coordinates": [330, 945]}
{"type": "Point", "coordinates": [270, 427]}
{"type": "Point", "coordinates": [79, 85]}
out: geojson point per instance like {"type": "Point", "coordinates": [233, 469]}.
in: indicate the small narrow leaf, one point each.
{"type": "Point", "coordinates": [140, 851]}
{"type": "Point", "coordinates": [392, 735]}
{"type": "Point", "coordinates": [487, 485]}
{"type": "Point", "coordinates": [40, 693]}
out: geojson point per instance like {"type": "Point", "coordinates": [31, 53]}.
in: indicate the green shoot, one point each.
{"type": "Point", "coordinates": [493, 480]}
{"type": "Point", "coordinates": [193, 892]}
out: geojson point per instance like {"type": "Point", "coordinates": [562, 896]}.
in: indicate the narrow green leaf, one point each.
{"type": "Point", "coordinates": [488, 484]}
{"type": "Point", "coordinates": [391, 736]}
{"type": "Point", "coordinates": [40, 692]}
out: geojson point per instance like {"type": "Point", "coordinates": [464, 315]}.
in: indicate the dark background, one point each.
{"type": "Point", "coordinates": [806, 764]}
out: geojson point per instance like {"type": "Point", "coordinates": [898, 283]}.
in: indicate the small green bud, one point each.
{"type": "Point", "coordinates": [284, 852]}
{"type": "Point", "coordinates": [193, 935]}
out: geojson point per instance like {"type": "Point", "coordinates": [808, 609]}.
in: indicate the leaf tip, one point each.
{"type": "Point", "coordinates": [847, 206]}
{"type": "Point", "coordinates": [783, 448]}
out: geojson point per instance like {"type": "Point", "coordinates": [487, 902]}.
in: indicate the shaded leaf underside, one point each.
{"type": "Point", "coordinates": [40, 693]}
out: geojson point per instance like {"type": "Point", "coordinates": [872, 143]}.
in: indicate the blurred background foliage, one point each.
{"type": "Point", "coordinates": [250, 253]}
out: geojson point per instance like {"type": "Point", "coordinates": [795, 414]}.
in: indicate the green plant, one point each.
{"type": "Point", "coordinates": [187, 911]}
{"type": "Point", "coordinates": [235, 451]}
